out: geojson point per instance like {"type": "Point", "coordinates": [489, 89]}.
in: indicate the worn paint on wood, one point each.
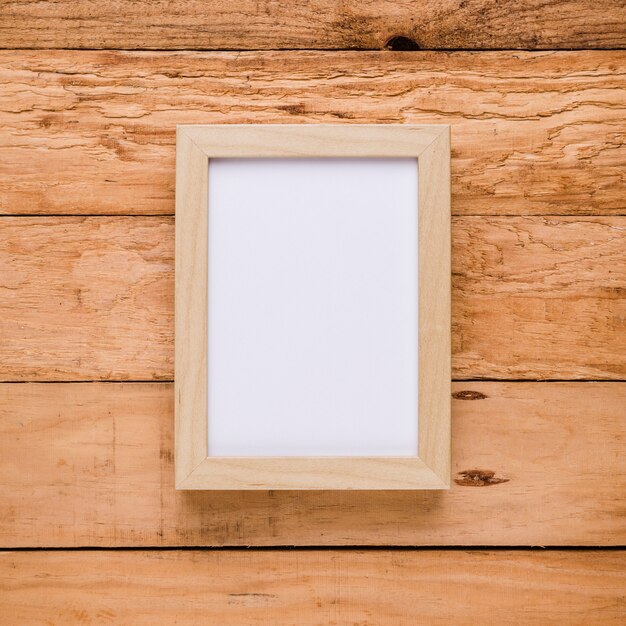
{"type": "Point", "coordinates": [85, 132]}
{"type": "Point", "coordinates": [93, 298]}
{"type": "Point", "coordinates": [92, 465]}
{"type": "Point", "coordinates": [321, 24]}
{"type": "Point", "coordinates": [376, 588]}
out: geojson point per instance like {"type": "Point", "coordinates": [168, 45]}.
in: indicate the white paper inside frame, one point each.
{"type": "Point", "coordinates": [313, 301]}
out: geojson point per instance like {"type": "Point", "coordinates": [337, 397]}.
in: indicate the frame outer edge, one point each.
{"type": "Point", "coordinates": [191, 445]}
{"type": "Point", "coordinates": [190, 381]}
{"type": "Point", "coordinates": [435, 314]}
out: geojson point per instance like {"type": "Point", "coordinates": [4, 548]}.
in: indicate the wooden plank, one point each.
{"type": "Point", "coordinates": [92, 465]}
{"type": "Point", "coordinates": [93, 298]}
{"type": "Point", "coordinates": [84, 132]}
{"type": "Point", "coordinates": [531, 296]}
{"type": "Point", "coordinates": [314, 587]}
{"type": "Point", "coordinates": [86, 298]}
{"type": "Point", "coordinates": [320, 24]}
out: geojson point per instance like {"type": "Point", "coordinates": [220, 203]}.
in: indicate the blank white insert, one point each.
{"type": "Point", "coordinates": [313, 302]}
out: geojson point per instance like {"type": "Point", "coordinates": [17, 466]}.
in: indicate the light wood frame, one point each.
{"type": "Point", "coordinates": [195, 145]}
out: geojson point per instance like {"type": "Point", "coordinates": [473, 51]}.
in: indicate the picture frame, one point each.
{"type": "Point", "coordinates": [196, 145]}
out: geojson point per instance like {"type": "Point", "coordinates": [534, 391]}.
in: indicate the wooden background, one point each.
{"type": "Point", "coordinates": [91, 528]}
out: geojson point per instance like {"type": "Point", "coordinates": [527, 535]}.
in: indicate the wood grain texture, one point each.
{"type": "Point", "coordinates": [319, 24]}
{"type": "Point", "coordinates": [380, 588]}
{"type": "Point", "coordinates": [86, 298]}
{"type": "Point", "coordinates": [531, 293]}
{"type": "Point", "coordinates": [92, 465]}
{"type": "Point", "coordinates": [84, 132]}
{"type": "Point", "coordinates": [191, 306]}
{"type": "Point", "coordinates": [252, 141]}
{"type": "Point", "coordinates": [93, 298]}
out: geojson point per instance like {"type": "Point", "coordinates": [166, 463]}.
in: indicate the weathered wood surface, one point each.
{"type": "Point", "coordinates": [86, 298]}
{"type": "Point", "coordinates": [92, 465]}
{"type": "Point", "coordinates": [318, 24]}
{"type": "Point", "coordinates": [531, 296]}
{"type": "Point", "coordinates": [375, 588]}
{"type": "Point", "coordinates": [93, 298]}
{"type": "Point", "coordinates": [84, 132]}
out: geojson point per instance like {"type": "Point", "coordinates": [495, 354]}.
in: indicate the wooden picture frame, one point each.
{"type": "Point", "coordinates": [195, 146]}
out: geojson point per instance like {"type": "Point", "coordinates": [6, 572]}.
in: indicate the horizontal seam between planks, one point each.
{"type": "Point", "coordinates": [326, 548]}
{"type": "Point", "coordinates": [139, 215]}
{"type": "Point", "coordinates": [87, 382]}
{"type": "Point", "coordinates": [166, 381]}
{"type": "Point", "coordinates": [328, 50]}
{"type": "Point", "coordinates": [454, 215]}
{"type": "Point", "coordinates": [538, 380]}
